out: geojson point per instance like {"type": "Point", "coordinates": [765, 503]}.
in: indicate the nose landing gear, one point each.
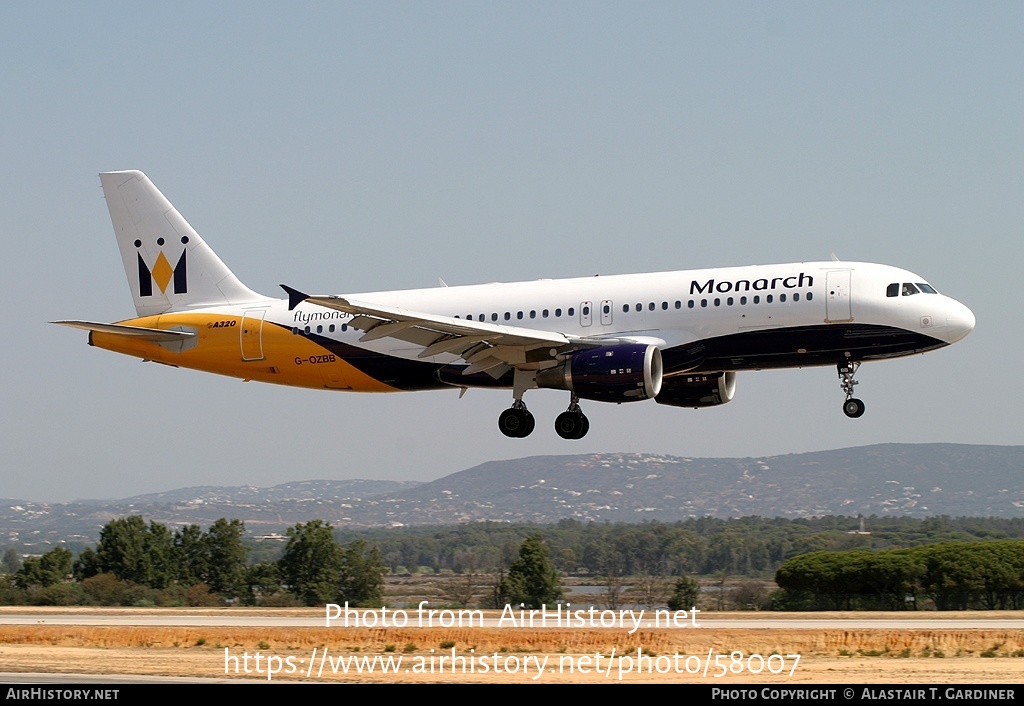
{"type": "Point", "coordinates": [852, 407]}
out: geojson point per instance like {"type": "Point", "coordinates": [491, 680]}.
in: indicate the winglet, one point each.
{"type": "Point", "coordinates": [295, 297]}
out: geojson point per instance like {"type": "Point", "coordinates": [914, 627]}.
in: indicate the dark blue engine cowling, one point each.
{"type": "Point", "coordinates": [624, 373]}
{"type": "Point", "coordinates": [705, 390]}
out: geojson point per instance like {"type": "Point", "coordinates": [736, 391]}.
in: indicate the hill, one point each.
{"type": "Point", "coordinates": [917, 480]}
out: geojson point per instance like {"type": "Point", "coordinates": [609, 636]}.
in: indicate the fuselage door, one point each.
{"type": "Point", "coordinates": [252, 334]}
{"type": "Point", "coordinates": [586, 314]}
{"type": "Point", "coordinates": [606, 312]}
{"type": "Point", "coordinates": [837, 299]}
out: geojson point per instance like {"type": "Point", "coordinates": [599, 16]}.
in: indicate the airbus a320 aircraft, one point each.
{"type": "Point", "coordinates": [678, 338]}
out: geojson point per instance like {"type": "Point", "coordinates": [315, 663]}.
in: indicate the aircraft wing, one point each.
{"type": "Point", "coordinates": [484, 346]}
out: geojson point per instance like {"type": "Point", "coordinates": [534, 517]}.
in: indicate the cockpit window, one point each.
{"type": "Point", "coordinates": [893, 290]}
{"type": "Point", "coordinates": [909, 288]}
{"type": "Point", "coordinates": [926, 288]}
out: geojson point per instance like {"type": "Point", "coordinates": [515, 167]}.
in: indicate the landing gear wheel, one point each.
{"type": "Point", "coordinates": [572, 425]}
{"type": "Point", "coordinates": [530, 424]}
{"type": "Point", "coordinates": [516, 422]}
{"type": "Point", "coordinates": [853, 408]}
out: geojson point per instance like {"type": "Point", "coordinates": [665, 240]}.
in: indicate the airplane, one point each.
{"type": "Point", "coordinates": [679, 338]}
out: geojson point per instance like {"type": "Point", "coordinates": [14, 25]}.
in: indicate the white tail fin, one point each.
{"type": "Point", "coordinates": [169, 266]}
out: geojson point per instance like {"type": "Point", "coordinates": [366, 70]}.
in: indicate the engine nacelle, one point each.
{"type": "Point", "coordinates": [697, 390]}
{"type": "Point", "coordinates": [622, 373]}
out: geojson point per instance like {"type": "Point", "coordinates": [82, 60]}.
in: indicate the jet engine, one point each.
{"type": "Point", "coordinates": [697, 390]}
{"type": "Point", "coordinates": [621, 373]}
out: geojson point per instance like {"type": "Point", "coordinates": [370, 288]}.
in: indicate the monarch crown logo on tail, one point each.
{"type": "Point", "coordinates": [168, 265]}
{"type": "Point", "coordinates": [162, 273]}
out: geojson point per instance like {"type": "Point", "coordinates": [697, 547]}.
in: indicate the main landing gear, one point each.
{"type": "Point", "coordinates": [852, 407]}
{"type": "Point", "coordinates": [572, 423]}
{"type": "Point", "coordinates": [517, 422]}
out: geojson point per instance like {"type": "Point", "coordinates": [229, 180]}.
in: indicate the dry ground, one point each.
{"type": "Point", "coordinates": [889, 655]}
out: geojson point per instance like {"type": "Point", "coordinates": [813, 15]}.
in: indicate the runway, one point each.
{"type": "Point", "coordinates": [171, 617]}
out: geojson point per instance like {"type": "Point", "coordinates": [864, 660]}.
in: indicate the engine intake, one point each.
{"type": "Point", "coordinates": [623, 373]}
{"type": "Point", "coordinates": [698, 390]}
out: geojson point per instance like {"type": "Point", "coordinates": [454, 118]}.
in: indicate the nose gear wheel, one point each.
{"type": "Point", "coordinates": [852, 407]}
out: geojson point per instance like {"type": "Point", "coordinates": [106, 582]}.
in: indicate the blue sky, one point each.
{"type": "Point", "coordinates": [351, 147]}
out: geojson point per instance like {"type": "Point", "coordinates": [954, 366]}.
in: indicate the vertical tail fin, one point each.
{"type": "Point", "coordinates": [168, 264]}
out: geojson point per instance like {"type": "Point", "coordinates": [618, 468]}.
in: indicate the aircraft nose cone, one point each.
{"type": "Point", "coordinates": [959, 321]}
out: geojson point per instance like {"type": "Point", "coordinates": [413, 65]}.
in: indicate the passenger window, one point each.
{"type": "Point", "coordinates": [810, 296]}
{"type": "Point", "coordinates": [570, 311]}
{"type": "Point", "coordinates": [689, 304]}
{"type": "Point", "coordinates": [625, 308]}
{"type": "Point", "coordinates": [782, 297]}
{"type": "Point", "coordinates": [769, 299]}
{"type": "Point", "coordinates": [743, 300]}
{"type": "Point", "coordinates": [796, 296]}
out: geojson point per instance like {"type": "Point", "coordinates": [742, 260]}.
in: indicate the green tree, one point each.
{"type": "Point", "coordinates": [86, 565]}
{"type": "Point", "coordinates": [311, 563]}
{"type": "Point", "coordinates": [263, 580]}
{"type": "Point", "coordinates": [191, 556]}
{"type": "Point", "coordinates": [226, 556]}
{"type": "Point", "coordinates": [531, 580]}
{"type": "Point", "coordinates": [361, 577]}
{"type": "Point", "coordinates": [158, 543]}
{"type": "Point", "coordinates": [685, 594]}
{"type": "Point", "coordinates": [135, 552]}
{"type": "Point", "coordinates": [121, 548]}
{"type": "Point", "coordinates": [47, 570]}
{"type": "Point", "coordinates": [11, 561]}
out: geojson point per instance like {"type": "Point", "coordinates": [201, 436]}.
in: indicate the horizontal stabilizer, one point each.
{"type": "Point", "coordinates": [150, 334]}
